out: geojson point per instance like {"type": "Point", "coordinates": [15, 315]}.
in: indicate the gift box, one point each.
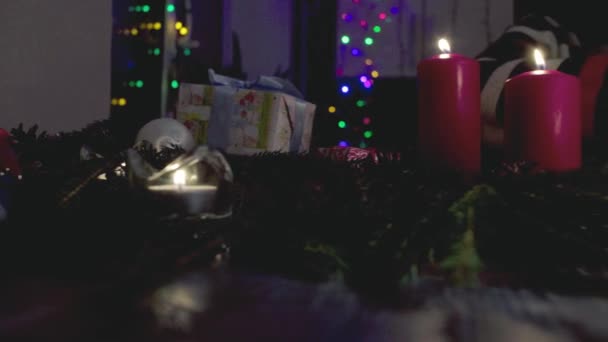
{"type": "Point", "coordinates": [247, 118]}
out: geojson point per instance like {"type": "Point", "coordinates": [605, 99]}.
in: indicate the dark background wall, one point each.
{"type": "Point", "coordinates": [55, 63]}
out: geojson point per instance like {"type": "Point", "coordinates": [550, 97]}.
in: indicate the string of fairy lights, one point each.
{"type": "Point", "coordinates": [139, 26]}
{"type": "Point", "coordinates": [359, 24]}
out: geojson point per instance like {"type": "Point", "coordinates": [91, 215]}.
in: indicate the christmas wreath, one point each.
{"type": "Point", "coordinates": [378, 221]}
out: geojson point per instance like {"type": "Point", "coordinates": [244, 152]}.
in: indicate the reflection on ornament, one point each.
{"type": "Point", "coordinates": [166, 133]}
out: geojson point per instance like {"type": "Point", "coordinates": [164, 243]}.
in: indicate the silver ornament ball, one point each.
{"type": "Point", "coordinates": [165, 133]}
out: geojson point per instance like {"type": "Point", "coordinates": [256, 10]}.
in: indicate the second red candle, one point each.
{"type": "Point", "coordinates": [543, 120]}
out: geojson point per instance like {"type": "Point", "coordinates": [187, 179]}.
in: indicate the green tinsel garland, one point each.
{"type": "Point", "coordinates": [379, 226]}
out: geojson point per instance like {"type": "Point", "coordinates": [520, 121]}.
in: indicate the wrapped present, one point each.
{"type": "Point", "coordinates": [247, 118]}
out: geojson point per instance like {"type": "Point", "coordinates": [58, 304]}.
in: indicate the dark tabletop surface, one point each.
{"type": "Point", "coordinates": [217, 304]}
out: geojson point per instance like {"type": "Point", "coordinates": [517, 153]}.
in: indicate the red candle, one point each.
{"type": "Point", "coordinates": [449, 119]}
{"type": "Point", "coordinates": [543, 118]}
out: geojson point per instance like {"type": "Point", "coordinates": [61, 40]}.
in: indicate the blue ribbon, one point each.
{"type": "Point", "coordinates": [270, 83]}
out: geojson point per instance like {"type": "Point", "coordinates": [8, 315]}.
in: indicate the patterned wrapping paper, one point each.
{"type": "Point", "coordinates": [194, 109]}
{"type": "Point", "coordinates": [245, 120]}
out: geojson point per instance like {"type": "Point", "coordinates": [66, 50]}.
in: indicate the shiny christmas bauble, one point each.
{"type": "Point", "coordinates": [166, 133]}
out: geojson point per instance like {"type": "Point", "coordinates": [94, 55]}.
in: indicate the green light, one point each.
{"type": "Point", "coordinates": [345, 39]}
{"type": "Point", "coordinates": [137, 8]}
{"type": "Point", "coordinates": [377, 29]}
{"type": "Point", "coordinates": [368, 134]}
{"type": "Point", "coordinates": [131, 84]}
{"type": "Point", "coordinates": [360, 103]}
{"type": "Point", "coordinates": [139, 84]}
{"type": "Point", "coordinates": [174, 84]}
{"type": "Point", "coordinates": [342, 124]}
{"type": "Point", "coordinates": [187, 52]}
{"type": "Point", "coordinates": [145, 8]}
{"type": "Point", "coordinates": [170, 7]}
{"type": "Point", "coordinates": [157, 52]}
{"type": "Point", "coordinates": [369, 41]}
{"type": "Point", "coordinates": [362, 145]}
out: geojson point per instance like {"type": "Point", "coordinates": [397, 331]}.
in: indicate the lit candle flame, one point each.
{"type": "Point", "coordinates": [179, 177]}
{"type": "Point", "coordinates": [444, 45]}
{"type": "Point", "coordinates": [539, 59]}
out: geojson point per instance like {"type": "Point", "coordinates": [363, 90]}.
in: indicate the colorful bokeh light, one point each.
{"type": "Point", "coordinates": [369, 17]}
{"type": "Point", "coordinates": [347, 17]}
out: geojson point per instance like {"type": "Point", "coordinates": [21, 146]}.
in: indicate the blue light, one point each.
{"type": "Point", "coordinates": [130, 64]}
{"type": "Point", "coordinates": [355, 52]}
{"type": "Point", "coordinates": [345, 89]}
{"type": "Point", "coordinates": [394, 9]}
{"type": "Point", "coordinates": [343, 144]}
